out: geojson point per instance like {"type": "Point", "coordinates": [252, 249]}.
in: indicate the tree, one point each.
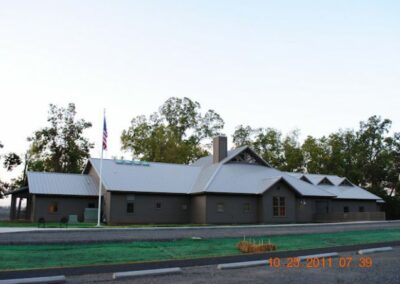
{"type": "Point", "coordinates": [60, 146]}
{"type": "Point", "coordinates": [293, 160]}
{"type": "Point", "coordinates": [174, 134]}
{"type": "Point", "coordinates": [11, 160]}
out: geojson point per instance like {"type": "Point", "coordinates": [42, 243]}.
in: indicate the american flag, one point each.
{"type": "Point", "coordinates": [105, 134]}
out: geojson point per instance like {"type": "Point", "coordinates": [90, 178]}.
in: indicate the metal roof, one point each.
{"type": "Point", "coordinates": [201, 176]}
{"type": "Point", "coordinates": [156, 177]}
{"type": "Point", "coordinates": [255, 179]}
{"type": "Point", "coordinates": [349, 192]}
{"type": "Point", "coordinates": [61, 184]}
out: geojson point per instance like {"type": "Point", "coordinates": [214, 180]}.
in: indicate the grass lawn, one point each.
{"type": "Point", "coordinates": [41, 256]}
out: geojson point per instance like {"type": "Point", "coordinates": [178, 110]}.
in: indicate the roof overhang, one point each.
{"type": "Point", "coordinates": [18, 190]}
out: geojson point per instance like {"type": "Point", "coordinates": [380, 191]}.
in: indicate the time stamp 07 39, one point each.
{"type": "Point", "coordinates": [322, 262]}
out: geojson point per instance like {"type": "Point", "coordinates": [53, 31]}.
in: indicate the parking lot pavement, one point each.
{"type": "Point", "coordinates": [109, 235]}
{"type": "Point", "coordinates": [385, 269]}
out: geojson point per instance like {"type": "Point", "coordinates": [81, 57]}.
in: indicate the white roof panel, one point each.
{"type": "Point", "coordinates": [61, 184]}
{"type": "Point", "coordinates": [255, 179]}
{"type": "Point", "coordinates": [153, 177]}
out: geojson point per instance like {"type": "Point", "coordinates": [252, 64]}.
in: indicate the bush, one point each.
{"type": "Point", "coordinates": [252, 246]}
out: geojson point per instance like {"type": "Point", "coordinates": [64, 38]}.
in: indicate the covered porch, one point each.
{"type": "Point", "coordinates": [21, 204]}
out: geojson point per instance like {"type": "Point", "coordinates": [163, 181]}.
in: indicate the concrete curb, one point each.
{"type": "Point", "coordinates": [372, 250]}
{"type": "Point", "coordinates": [321, 255]}
{"type": "Point", "coordinates": [137, 273]}
{"type": "Point", "coordinates": [242, 264]}
{"type": "Point", "coordinates": [48, 280]}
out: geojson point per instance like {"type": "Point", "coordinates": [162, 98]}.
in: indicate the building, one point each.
{"type": "Point", "coordinates": [229, 187]}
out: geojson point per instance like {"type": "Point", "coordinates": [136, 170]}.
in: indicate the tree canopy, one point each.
{"type": "Point", "coordinates": [369, 156]}
{"type": "Point", "coordinates": [60, 146]}
{"type": "Point", "coordinates": [10, 161]}
{"type": "Point", "coordinates": [177, 133]}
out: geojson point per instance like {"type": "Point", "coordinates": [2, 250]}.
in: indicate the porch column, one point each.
{"type": "Point", "coordinates": [19, 208]}
{"type": "Point", "coordinates": [28, 208]}
{"type": "Point", "coordinates": [12, 209]}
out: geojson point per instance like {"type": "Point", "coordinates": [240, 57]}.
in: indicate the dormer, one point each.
{"type": "Point", "coordinates": [325, 181]}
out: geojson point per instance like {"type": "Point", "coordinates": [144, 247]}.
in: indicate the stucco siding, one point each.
{"type": "Point", "coordinates": [66, 205]}
{"type": "Point", "coordinates": [172, 209]}
{"type": "Point", "coordinates": [236, 209]}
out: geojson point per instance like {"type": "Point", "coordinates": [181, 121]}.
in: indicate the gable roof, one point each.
{"type": "Point", "coordinates": [349, 192]}
{"type": "Point", "coordinates": [152, 177]}
{"type": "Point", "coordinates": [244, 176]}
{"type": "Point", "coordinates": [338, 188]}
{"type": "Point", "coordinates": [255, 179]}
{"type": "Point", "coordinates": [208, 160]}
{"type": "Point", "coordinates": [61, 184]}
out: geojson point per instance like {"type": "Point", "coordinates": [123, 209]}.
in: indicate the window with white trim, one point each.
{"type": "Point", "coordinates": [278, 206]}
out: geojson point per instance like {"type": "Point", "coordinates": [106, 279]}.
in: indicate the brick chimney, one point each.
{"type": "Point", "coordinates": [220, 148]}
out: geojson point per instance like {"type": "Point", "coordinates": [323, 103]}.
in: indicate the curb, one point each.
{"type": "Point", "coordinates": [321, 255]}
{"type": "Point", "coordinates": [372, 250]}
{"type": "Point", "coordinates": [242, 264]}
{"type": "Point", "coordinates": [245, 264]}
{"type": "Point", "coordinates": [111, 268]}
{"type": "Point", "coordinates": [137, 273]}
{"type": "Point", "coordinates": [48, 280]}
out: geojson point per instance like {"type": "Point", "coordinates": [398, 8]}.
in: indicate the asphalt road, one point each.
{"type": "Point", "coordinates": [131, 234]}
{"type": "Point", "coordinates": [385, 269]}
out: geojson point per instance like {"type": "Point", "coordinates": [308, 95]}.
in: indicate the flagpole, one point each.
{"type": "Point", "coordinates": [101, 172]}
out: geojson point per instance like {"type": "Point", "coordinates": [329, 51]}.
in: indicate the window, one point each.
{"type": "Point", "coordinates": [220, 207]}
{"type": "Point", "coordinates": [53, 207]}
{"type": "Point", "coordinates": [158, 205]}
{"type": "Point", "coordinates": [278, 206]}
{"type": "Point", "coordinates": [246, 207]}
{"type": "Point", "coordinates": [130, 206]}
{"type": "Point", "coordinates": [184, 206]}
{"type": "Point", "coordinates": [361, 209]}
{"type": "Point", "coordinates": [346, 209]}
{"type": "Point", "coordinates": [91, 205]}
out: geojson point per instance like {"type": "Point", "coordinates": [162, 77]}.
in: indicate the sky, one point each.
{"type": "Point", "coordinates": [317, 66]}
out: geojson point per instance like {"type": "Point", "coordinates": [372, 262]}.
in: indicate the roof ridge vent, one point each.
{"type": "Point", "coordinates": [132, 163]}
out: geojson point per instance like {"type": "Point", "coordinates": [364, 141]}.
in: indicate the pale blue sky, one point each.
{"type": "Point", "coordinates": [314, 65]}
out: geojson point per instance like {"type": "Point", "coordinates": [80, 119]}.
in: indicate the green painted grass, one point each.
{"type": "Point", "coordinates": [14, 257]}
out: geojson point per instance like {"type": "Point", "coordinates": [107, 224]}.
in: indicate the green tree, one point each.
{"type": "Point", "coordinates": [60, 146]}
{"type": "Point", "coordinates": [174, 134]}
{"type": "Point", "coordinates": [315, 154]}
{"type": "Point", "coordinates": [10, 161]}
{"type": "Point", "coordinates": [293, 160]}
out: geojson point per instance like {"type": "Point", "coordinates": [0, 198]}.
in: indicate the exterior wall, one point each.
{"type": "Point", "coordinates": [266, 214]}
{"type": "Point", "coordinates": [198, 209]}
{"type": "Point", "coordinates": [305, 210]}
{"type": "Point", "coordinates": [67, 205]}
{"type": "Point", "coordinates": [145, 211]}
{"type": "Point", "coordinates": [369, 206]}
{"type": "Point", "coordinates": [233, 212]}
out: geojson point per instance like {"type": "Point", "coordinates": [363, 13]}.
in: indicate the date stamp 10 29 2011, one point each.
{"type": "Point", "coordinates": [322, 262]}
